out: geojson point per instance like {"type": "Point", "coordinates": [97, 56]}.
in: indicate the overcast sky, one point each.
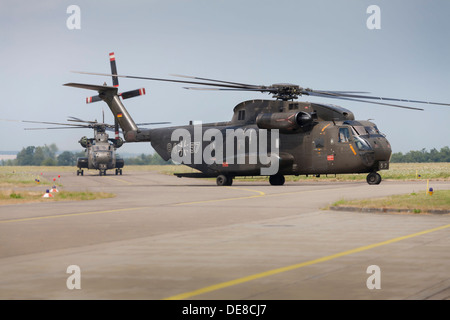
{"type": "Point", "coordinates": [321, 44]}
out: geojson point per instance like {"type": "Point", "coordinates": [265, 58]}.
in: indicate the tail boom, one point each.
{"type": "Point", "coordinates": [111, 97]}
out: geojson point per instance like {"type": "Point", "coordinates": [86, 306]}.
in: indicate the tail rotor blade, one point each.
{"type": "Point", "coordinates": [93, 99]}
{"type": "Point", "coordinates": [132, 93]}
{"type": "Point", "coordinates": [112, 60]}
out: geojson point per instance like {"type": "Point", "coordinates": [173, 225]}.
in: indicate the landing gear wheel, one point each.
{"type": "Point", "coordinates": [277, 180]}
{"type": "Point", "coordinates": [373, 178]}
{"type": "Point", "coordinates": [223, 180]}
{"type": "Point", "coordinates": [79, 171]}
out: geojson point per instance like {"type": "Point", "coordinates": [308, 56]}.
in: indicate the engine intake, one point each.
{"type": "Point", "coordinates": [84, 141]}
{"type": "Point", "coordinates": [286, 122]}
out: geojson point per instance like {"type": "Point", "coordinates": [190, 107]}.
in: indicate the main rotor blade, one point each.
{"type": "Point", "coordinates": [341, 92]}
{"type": "Point", "coordinates": [91, 124]}
{"type": "Point", "coordinates": [57, 128]}
{"type": "Point", "coordinates": [359, 100]}
{"type": "Point", "coordinates": [74, 119]}
{"type": "Point", "coordinates": [88, 125]}
{"type": "Point", "coordinates": [289, 91]}
{"type": "Point", "coordinates": [57, 123]}
{"type": "Point", "coordinates": [378, 98]}
{"type": "Point", "coordinates": [225, 89]}
{"type": "Point", "coordinates": [166, 80]}
{"type": "Point", "coordinates": [206, 79]}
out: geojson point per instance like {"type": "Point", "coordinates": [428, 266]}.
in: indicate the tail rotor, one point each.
{"type": "Point", "coordinates": [110, 95]}
{"type": "Point", "coordinates": [115, 82]}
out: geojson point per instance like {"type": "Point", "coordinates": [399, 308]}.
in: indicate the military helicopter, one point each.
{"type": "Point", "coordinates": [100, 150]}
{"type": "Point", "coordinates": [310, 138]}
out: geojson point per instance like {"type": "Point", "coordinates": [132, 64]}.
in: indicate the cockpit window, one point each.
{"type": "Point", "coordinates": [344, 135]}
{"type": "Point", "coordinates": [372, 130]}
{"type": "Point", "coordinates": [360, 130]}
{"type": "Point", "coordinates": [362, 144]}
{"type": "Point", "coordinates": [365, 130]}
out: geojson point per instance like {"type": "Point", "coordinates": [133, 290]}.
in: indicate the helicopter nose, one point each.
{"type": "Point", "coordinates": [102, 157]}
{"type": "Point", "coordinates": [382, 149]}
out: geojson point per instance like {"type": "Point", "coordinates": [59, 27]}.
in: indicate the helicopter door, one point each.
{"type": "Point", "coordinates": [319, 155]}
{"type": "Point", "coordinates": [345, 147]}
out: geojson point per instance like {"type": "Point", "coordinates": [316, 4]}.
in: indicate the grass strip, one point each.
{"type": "Point", "coordinates": [25, 196]}
{"type": "Point", "coordinates": [417, 202]}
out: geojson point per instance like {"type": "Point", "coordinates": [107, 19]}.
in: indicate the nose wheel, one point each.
{"type": "Point", "coordinates": [373, 178]}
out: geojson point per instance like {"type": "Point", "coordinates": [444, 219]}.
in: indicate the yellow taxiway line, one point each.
{"type": "Point", "coordinates": [226, 284]}
{"type": "Point", "coordinates": [70, 215]}
{"type": "Point", "coordinates": [259, 195]}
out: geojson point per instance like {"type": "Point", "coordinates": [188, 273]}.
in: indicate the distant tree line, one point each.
{"type": "Point", "coordinates": [149, 159]}
{"type": "Point", "coordinates": [423, 155]}
{"type": "Point", "coordinates": [43, 156]}
{"type": "Point", "coordinates": [47, 156]}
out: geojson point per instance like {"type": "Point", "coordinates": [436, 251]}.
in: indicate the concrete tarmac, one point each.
{"type": "Point", "coordinates": [163, 237]}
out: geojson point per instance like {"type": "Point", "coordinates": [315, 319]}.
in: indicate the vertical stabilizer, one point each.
{"type": "Point", "coordinates": [110, 95]}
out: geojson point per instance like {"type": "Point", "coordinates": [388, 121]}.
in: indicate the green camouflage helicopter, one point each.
{"type": "Point", "coordinates": [272, 138]}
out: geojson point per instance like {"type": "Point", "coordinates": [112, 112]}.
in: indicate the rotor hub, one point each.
{"type": "Point", "coordinates": [286, 91]}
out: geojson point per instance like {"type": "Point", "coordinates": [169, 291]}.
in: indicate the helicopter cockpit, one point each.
{"type": "Point", "coordinates": [361, 143]}
{"type": "Point", "coordinates": [368, 140]}
{"type": "Point", "coordinates": [363, 133]}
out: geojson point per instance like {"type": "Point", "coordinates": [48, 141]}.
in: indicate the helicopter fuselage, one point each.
{"type": "Point", "coordinates": [100, 154]}
{"type": "Point", "coordinates": [313, 139]}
